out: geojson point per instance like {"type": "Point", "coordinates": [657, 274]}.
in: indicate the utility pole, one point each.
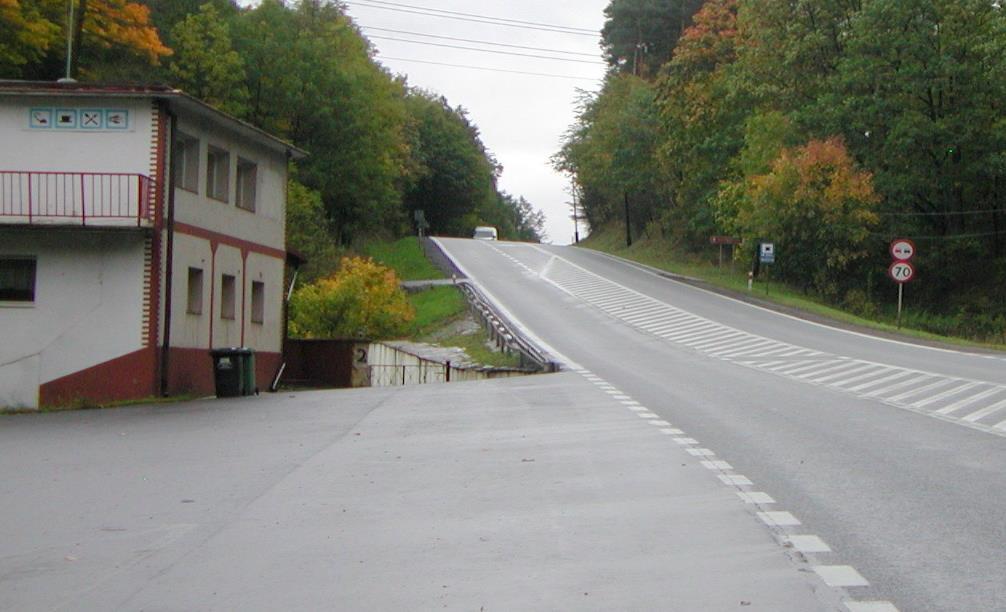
{"type": "Point", "coordinates": [628, 228]}
{"type": "Point", "coordinates": [576, 220]}
{"type": "Point", "coordinates": [70, 24]}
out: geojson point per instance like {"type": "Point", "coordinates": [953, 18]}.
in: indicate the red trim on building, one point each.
{"type": "Point", "coordinates": [238, 243]}
{"type": "Point", "coordinates": [132, 376]}
{"type": "Point", "coordinates": [192, 371]}
{"type": "Point", "coordinates": [266, 366]}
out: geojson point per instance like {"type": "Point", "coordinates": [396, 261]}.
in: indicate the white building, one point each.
{"type": "Point", "coordinates": [114, 284]}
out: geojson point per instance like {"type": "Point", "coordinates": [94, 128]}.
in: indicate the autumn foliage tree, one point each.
{"type": "Point", "coordinates": [362, 300]}
{"type": "Point", "coordinates": [107, 34]}
{"type": "Point", "coordinates": [817, 208]}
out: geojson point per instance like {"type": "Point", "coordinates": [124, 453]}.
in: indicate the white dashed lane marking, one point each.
{"type": "Point", "coordinates": [755, 497]}
{"type": "Point", "coordinates": [870, 606]}
{"type": "Point", "coordinates": [836, 576]}
{"type": "Point", "coordinates": [778, 519]}
{"type": "Point", "coordinates": [807, 543]}
{"type": "Point", "coordinates": [840, 576]}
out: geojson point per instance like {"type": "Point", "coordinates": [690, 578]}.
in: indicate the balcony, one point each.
{"type": "Point", "coordinates": [86, 199]}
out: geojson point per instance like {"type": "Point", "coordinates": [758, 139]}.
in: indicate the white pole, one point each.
{"type": "Point", "coordinates": [901, 292]}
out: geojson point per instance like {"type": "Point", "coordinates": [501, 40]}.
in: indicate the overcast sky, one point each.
{"type": "Point", "coordinates": [521, 117]}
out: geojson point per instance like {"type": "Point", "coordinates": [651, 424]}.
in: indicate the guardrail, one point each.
{"type": "Point", "coordinates": [84, 198]}
{"type": "Point", "coordinates": [503, 333]}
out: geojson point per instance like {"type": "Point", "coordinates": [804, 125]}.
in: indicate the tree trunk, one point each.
{"type": "Point", "coordinates": [78, 37]}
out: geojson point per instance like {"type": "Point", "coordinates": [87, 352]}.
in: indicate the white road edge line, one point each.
{"type": "Point", "coordinates": [563, 359]}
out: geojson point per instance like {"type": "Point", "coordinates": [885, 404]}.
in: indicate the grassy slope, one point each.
{"type": "Point", "coordinates": [405, 257]}
{"type": "Point", "coordinates": [657, 253]}
{"type": "Point", "coordinates": [435, 308]}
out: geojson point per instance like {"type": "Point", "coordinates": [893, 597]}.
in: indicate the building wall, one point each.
{"type": "Point", "coordinates": [219, 238]}
{"type": "Point", "coordinates": [88, 309]}
{"type": "Point", "coordinates": [100, 306]}
{"type": "Point", "coordinates": [75, 149]}
{"type": "Point", "coordinates": [265, 226]}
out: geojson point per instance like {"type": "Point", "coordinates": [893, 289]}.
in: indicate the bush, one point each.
{"type": "Point", "coordinates": [857, 302]}
{"type": "Point", "coordinates": [361, 300]}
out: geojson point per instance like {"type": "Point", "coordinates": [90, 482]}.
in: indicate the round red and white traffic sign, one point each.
{"type": "Point", "coordinates": [901, 272]}
{"type": "Point", "coordinates": [902, 249]}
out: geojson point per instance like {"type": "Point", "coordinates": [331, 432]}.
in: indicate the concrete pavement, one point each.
{"type": "Point", "coordinates": [535, 493]}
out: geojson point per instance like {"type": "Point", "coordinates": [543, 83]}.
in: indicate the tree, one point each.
{"type": "Point", "coordinates": [166, 14]}
{"type": "Point", "coordinates": [611, 152]}
{"type": "Point", "coordinates": [456, 184]}
{"type": "Point", "coordinates": [103, 31]}
{"type": "Point", "coordinates": [362, 300]}
{"type": "Point", "coordinates": [703, 109]}
{"type": "Point", "coordinates": [309, 232]}
{"type": "Point", "coordinates": [205, 64]}
{"type": "Point", "coordinates": [817, 207]}
{"type": "Point", "coordinates": [530, 222]}
{"type": "Point", "coordinates": [312, 79]}
{"type": "Point", "coordinates": [639, 35]}
{"type": "Point", "coordinates": [26, 35]}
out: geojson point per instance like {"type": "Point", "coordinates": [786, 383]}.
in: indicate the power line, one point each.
{"type": "Point", "coordinates": [950, 213]}
{"type": "Point", "coordinates": [511, 53]}
{"type": "Point", "coordinates": [943, 237]}
{"type": "Point", "coordinates": [480, 42]}
{"type": "Point", "coordinates": [541, 74]}
{"type": "Point", "coordinates": [497, 23]}
{"type": "Point", "coordinates": [477, 16]}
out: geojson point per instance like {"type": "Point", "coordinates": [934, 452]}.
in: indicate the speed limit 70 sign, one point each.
{"type": "Point", "coordinates": [901, 271]}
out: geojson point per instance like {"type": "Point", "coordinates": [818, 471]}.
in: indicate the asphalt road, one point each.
{"type": "Point", "coordinates": [893, 454]}
{"type": "Point", "coordinates": [529, 493]}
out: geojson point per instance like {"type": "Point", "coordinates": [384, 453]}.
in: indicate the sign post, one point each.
{"type": "Point", "coordinates": [766, 256]}
{"type": "Point", "coordinates": [901, 269]}
{"type": "Point", "coordinates": [721, 240]}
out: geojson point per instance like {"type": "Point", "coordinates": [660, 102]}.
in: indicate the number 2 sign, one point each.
{"type": "Point", "coordinates": [901, 272]}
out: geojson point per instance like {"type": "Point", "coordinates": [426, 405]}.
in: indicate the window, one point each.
{"type": "Point", "coordinates": [17, 278]}
{"type": "Point", "coordinates": [247, 176]}
{"type": "Point", "coordinates": [186, 162]}
{"type": "Point", "coordinates": [218, 174]}
{"type": "Point", "coordinates": [258, 302]}
{"type": "Point", "coordinates": [227, 295]}
{"type": "Point", "coordinates": [195, 291]}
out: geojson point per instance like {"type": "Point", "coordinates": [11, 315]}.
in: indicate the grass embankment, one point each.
{"type": "Point", "coordinates": [658, 253]}
{"type": "Point", "coordinates": [405, 257]}
{"type": "Point", "coordinates": [440, 311]}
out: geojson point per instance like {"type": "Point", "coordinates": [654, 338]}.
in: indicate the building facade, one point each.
{"type": "Point", "coordinates": [139, 228]}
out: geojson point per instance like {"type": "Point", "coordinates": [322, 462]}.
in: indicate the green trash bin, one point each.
{"type": "Point", "coordinates": [248, 373]}
{"type": "Point", "coordinates": [233, 371]}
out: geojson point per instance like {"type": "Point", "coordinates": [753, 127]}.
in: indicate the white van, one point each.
{"type": "Point", "coordinates": [485, 232]}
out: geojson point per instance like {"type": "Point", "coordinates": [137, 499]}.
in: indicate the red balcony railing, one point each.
{"type": "Point", "coordinates": [78, 198]}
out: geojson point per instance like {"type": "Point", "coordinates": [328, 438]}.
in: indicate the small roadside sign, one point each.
{"type": "Point", "coordinates": [724, 240]}
{"type": "Point", "coordinates": [902, 249]}
{"type": "Point", "coordinates": [901, 272]}
{"type": "Point", "coordinates": [766, 253]}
